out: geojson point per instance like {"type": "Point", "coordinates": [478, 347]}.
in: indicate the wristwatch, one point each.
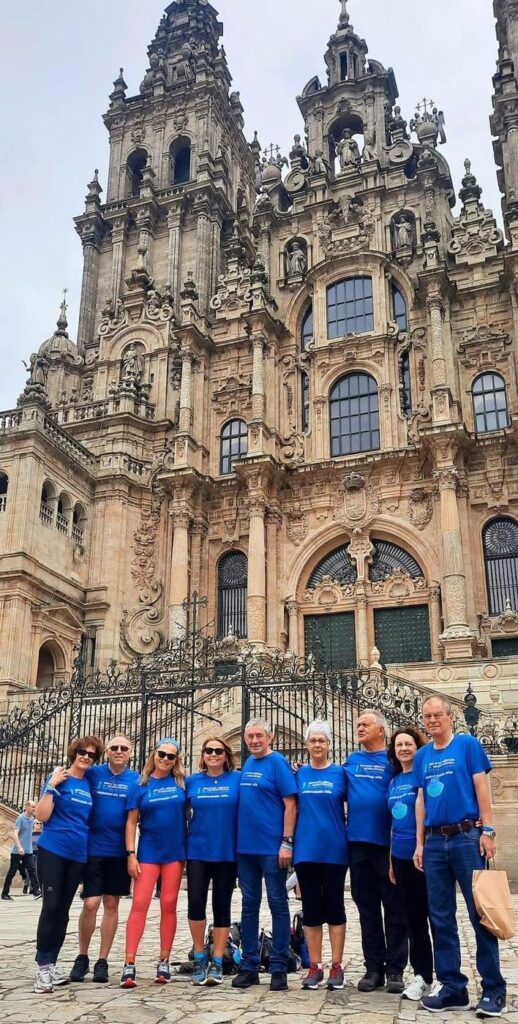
{"type": "Point", "coordinates": [129, 853]}
{"type": "Point", "coordinates": [489, 831]}
{"type": "Point", "coordinates": [288, 839]}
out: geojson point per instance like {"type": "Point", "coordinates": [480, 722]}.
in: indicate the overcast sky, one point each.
{"type": "Point", "coordinates": [58, 60]}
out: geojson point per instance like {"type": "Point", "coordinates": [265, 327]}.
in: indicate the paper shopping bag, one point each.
{"type": "Point", "coordinates": [494, 902]}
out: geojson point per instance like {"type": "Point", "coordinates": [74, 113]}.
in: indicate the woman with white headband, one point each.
{"type": "Point", "coordinates": [320, 854]}
{"type": "Point", "coordinates": [157, 804]}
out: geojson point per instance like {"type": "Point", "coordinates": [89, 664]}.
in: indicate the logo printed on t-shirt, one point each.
{"type": "Point", "coordinates": [435, 787]}
{"type": "Point", "coordinates": [399, 811]}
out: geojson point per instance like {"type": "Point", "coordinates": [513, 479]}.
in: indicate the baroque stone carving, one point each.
{"type": "Point", "coordinates": [476, 236]}
{"type": "Point", "coordinates": [328, 593]}
{"type": "Point", "coordinates": [357, 503]}
{"type": "Point", "coordinates": [482, 344]}
{"type": "Point", "coordinates": [348, 226]}
{"type": "Point", "coordinates": [297, 525]}
{"type": "Point", "coordinates": [420, 508]}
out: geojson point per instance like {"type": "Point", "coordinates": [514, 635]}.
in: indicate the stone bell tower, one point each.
{"type": "Point", "coordinates": [504, 122]}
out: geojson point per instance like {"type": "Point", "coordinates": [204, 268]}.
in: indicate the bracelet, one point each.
{"type": "Point", "coordinates": [52, 789]}
{"type": "Point", "coordinates": [287, 846]}
{"type": "Point", "coordinates": [288, 839]}
{"type": "Point", "coordinates": [488, 830]}
{"type": "Point", "coordinates": [130, 853]}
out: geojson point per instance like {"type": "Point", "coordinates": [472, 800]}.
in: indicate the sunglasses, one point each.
{"type": "Point", "coordinates": [81, 752]}
{"type": "Point", "coordinates": [118, 746]}
{"type": "Point", "coordinates": [170, 757]}
{"type": "Point", "coordinates": [214, 750]}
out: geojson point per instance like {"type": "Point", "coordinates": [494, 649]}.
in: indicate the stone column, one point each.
{"type": "Point", "coordinates": [435, 621]}
{"type": "Point", "coordinates": [174, 223]}
{"type": "Point", "coordinates": [454, 579]}
{"type": "Point", "coordinates": [293, 627]}
{"type": "Point", "coordinates": [273, 522]}
{"type": "Point", "coordinates": [258, 377]}
{"type": "Point", "coordinates": [198, 533]}
{"type": "Point", "coordinates": [257, 571]}
{"type": "Point", "coordinates": [203, 258]}
{"type": "Point", "coordinates": [435, 312]}
{"type": "Point", "coordinates": [91, 243]}
{"type": "Point", "coordinates": [362, 625]}
{"type": "Point", "coordinates": [179, 586]}
{"type": "Point", "coordinates": [118, 239]}
{"type": "Point", "coordinates": [186, 392]}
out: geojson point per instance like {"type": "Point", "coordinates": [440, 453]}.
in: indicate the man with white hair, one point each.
{"type": "Point", "coordinates": [265, 828]}
{"type": "Point", "coordinates": [382, 921]}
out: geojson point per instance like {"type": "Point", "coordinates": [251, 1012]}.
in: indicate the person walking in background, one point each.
{"type": "Point", "coordinates": [157, 805]}
{"type": "Point", "coordinates": [266, 824]}
{"type": "Point", "coordinates": [410, 883]}
{"type": "Point", "coordinates": [22, 854]}
{"type": "Point", "coordinates": [212, 799]}
{"type": "Point", "coordinates": [37, 829]}
{"type": "Point", "coordinates": [64, 807]}
{"type": "Point", "coordinates": [106, 875]}
{"type": "Point", "coordinates": [320, 854]}
{"type": "Point", "coordinates": [454, 813]}
{"type": "Point", "coordinates": [384, 937]}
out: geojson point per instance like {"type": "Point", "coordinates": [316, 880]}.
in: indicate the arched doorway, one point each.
{"type": "Point", "coordinates": [45, 677]}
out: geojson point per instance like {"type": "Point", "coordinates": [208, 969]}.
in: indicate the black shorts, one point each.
{"type": "Point", "coordinates": [106, 876]}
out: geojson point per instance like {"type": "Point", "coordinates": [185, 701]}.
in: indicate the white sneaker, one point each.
{"type": "Point", "coordinates": [43, 979]}
{"type": "Point", "coordinates": [59, 976]}
{"type": "Point", "coordinates": [416, 989]}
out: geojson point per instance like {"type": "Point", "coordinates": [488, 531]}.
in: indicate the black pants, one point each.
{"type": "Point", "coordinates": [199, 875]}
{"type": "Point", "coordinates": [411, 887]}
{"type": "Point", "coordinates": [384, 937]}
{"type": "Point", "coordinates": [59, 879]}
{"type": "Point", "coordinates": [322, 891]}
{"type": "Point", "coordinates": [26, 866]}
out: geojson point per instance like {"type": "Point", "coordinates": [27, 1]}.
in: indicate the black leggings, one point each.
{"type": "Point", "coordinates": [322, 891]}
{"type": "Point", "coordinates": [199, 875]}
{"type": "Point", "coordinates": [59, 878]}
{"type": "Point", "coordinates": [411, 886]}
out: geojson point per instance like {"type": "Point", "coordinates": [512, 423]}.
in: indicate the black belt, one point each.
{"type": "Point", "coordinates": [453, 830]}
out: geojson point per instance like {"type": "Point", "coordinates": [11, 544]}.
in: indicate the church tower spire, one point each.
{"type": "Point", "coordinates": [504, 121]}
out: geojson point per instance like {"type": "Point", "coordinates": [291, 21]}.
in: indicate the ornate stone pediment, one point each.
{"type": "Point", "coordinates": [482, 344]}
{"type": "Point", "coordinates": [234, 393]}
{"type": "Point", "coordinates": [506, 623]}
{"type": "Point", "coordinates": [348, 227]}
{"type": "Point", "coordinates": [399, 586]}
{"type": "Point", "coordinates": [476, 236]}
{"type": "Point", "coordinates": [328, 593]}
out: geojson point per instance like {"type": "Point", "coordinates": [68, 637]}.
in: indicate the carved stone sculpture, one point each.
{"type": "Point", "coordinates": [369, 149]}
{"type": "Point", "coordinates": [296, 263]}
{"type": "Point", "coordinates": [132, 365]}
{"type": "Point", "coordinates": [348, 152]}
{"type": "Point", "coordinates": [403, 232]}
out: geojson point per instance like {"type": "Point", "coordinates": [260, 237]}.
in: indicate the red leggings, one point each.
{"type": "Point", "coordinates": [171, 876]}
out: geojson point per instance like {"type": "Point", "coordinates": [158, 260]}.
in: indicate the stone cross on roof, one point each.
{"type": "Point", "coordinates": [344, 15]}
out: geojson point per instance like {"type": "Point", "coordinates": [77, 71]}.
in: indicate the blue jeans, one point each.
{"type": "Point", "coordinates": [251, 869]}
{"type": "Point", "coordinates": [448, 860]}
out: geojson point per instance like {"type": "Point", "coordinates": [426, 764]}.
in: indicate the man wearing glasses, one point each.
{"type": "Point", "coordinates": [106, 875]}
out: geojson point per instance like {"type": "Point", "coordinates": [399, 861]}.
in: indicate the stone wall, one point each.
{"type": "Point", "coordinates": [504, 781]}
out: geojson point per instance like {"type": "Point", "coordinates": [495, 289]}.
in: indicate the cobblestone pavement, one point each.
{"type": "Point", "coordinates": [180, 1002]}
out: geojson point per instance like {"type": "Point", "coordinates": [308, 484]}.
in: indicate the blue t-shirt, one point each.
{"type": "Point", "coordinates": [368, 779]}
{"type": "Point", "coordinates": [264, 783]}
{"type": "Point", "coordinates": [161, 806]}
{"type": "Point", "coordinates": [320, 835]}
{"type": "Point", "coordinates": [401, 801]}
{"type": "Point", "coordinates": [213, 801]}
{"type": "Point", "coordinates": [24, 825]}
{"type": "Point", "coordinates": [446, 778]}
{"type": "Point", "coordinates": [66, 831]}
{"type": "Point", "coordinates": [108, 820]}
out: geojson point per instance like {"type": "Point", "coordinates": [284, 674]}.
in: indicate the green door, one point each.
{"type": "Point", "coordinates": [331, 639]}
{"type": "Point", "coordinates": [403, 634]}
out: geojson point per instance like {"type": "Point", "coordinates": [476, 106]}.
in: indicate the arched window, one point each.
{"type": "Point", "coordinates": [64, 512]}
{"type": "Point", "coordinates": [46, 668]}
{"type": "Point", "coordinates": [78, 523]}
{"type": "Point", "coordinates": [232, 594]}
{"type": "Point", "coordinates": [306, 331]}
{"type": "Point", "coordinates": [4, 484]}
{"type": "Point", "coordinates": [350, 307]}
{"type": "Point", "coordinates": [134, 171]}
{"type": "Point", "coordinates": [180, 161]}
{"type": "Point", "coordinates": [304, 396]}
{"type": "Point", "coordinates": [500, 543]}
{"type": "Point", "coordinates": [354, 415]}
{"type": "Point", "coordinates": [489, 403]}
{"type": "Point", "coordinates": [388, 558]}
{"type": "Point", "coordinates": [399, 312]}
{"type": "Point", "coordinates": [234, 445]}
{"type": "Point", "coordinates": [338, 565]}
{"type": "Point", "coordinates": [47, 503]}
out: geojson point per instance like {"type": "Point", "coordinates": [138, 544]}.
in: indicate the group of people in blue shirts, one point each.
{"type": "Point", "coordinates": [409, 821]}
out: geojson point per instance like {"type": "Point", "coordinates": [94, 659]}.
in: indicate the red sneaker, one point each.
{"type": "Point", "coordinates": [313, 978]}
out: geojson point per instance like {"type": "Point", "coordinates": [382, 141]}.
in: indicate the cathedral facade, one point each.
{"type": "Point", "coordinates": [293, 390]}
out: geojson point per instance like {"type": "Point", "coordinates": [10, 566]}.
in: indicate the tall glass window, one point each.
{"type": "Point", "coordinates": [232, 594]}
{"type": "Point", "coordinates": [350, 307]}
{"type": "Point", "coordinates": [234, 445]}
{"type": "Point", "coordinates": [306, 332]}
{"type": "Point", "coordinates": [354, 415]}
{"type": "Point", "coordinates": [490, 403]}
{"type": "Point", "coordinates": [399, 308]}
{"type": "Point", "coordinates": [500, 543]}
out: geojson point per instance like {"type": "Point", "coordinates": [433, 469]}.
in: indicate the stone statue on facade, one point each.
{"type": "Point", "coordinates": [318, 163]}
{"type": "Point", "coordinates": [369, 150]}
{"type": "Point", "coordinates": [132, 365]}
{"type": "Point", "coordinates": [348, 152]}
{"type": "Point", "coordinates": [295, 260]}
{"type": "Point", "coordinates": [403, 233]}
{"type": "Point", "coordinates": [38, 372]}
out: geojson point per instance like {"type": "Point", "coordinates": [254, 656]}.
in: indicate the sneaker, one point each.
{"type": "Point", "coordinates": [37, 895]}
{"type": "Point", "coordinates": [199, 971]}
{"type": "Point", "coordinates": [336, 978]}
{"type": "Point", "coordinates": [5, 896]}
{"type": "Point", "coordinates": [244, 979]}
{"type": "Point", "coordinates": [163, 972]}
{"type": "Point", "coordinates": [371, 980]}
{"type": "Point", "coordinates": [491, 1006]}
{"type": "Point", "coordinates": [313, 978]}
{"type": "Point", "coordinates": [25, 889]}
{"type": "Point", "coordinates": [81, 968]}
{"type": "Point", "coordinates": [278, 981]}
{"type": "Point", "coordinates": [215, 973]}
{"type": "Point", "coordinates": [43, 979]}
{"type": "Point", "coordinates": [101, 971]}
{"type": "Point", "coordinates": [440, 999]}
{"type": "Point", "coordinates": [59, 976]}
{"type": "Point", "coordinates": [128, 976]}
{"type": "Point", "coordinates": [416, 989]}
{"type": "Point", "coordinates": [395, 983]}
